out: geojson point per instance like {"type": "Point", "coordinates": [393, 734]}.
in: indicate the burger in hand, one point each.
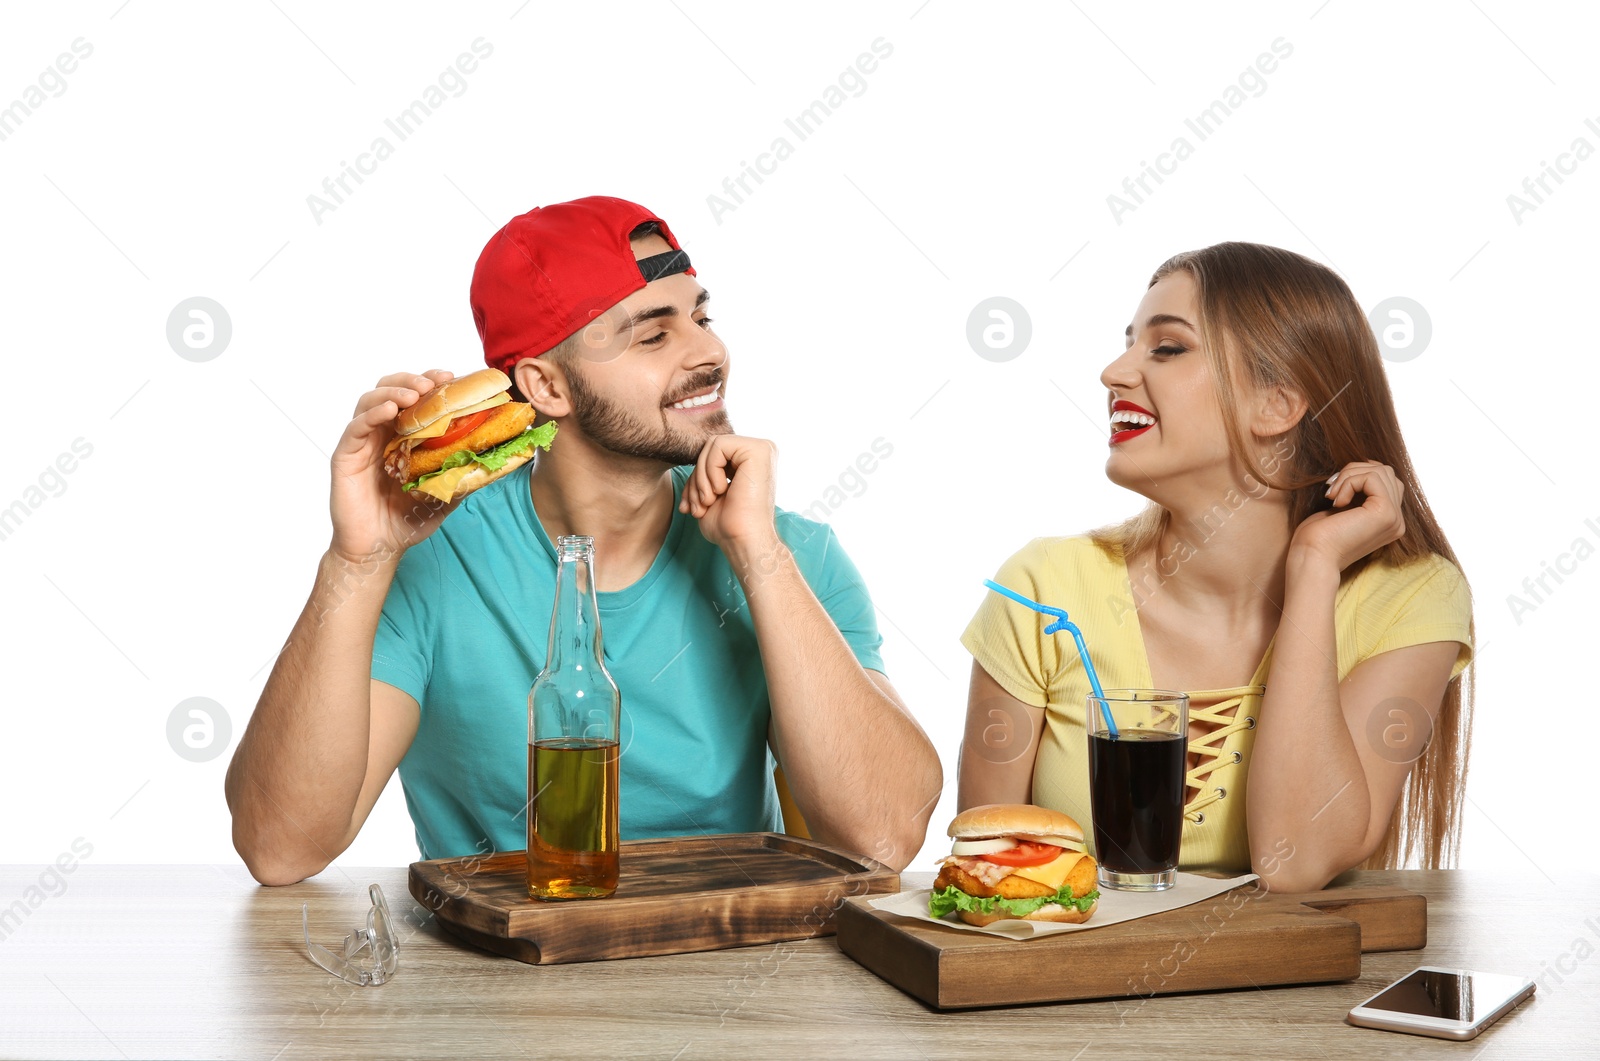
{"type": "Point", "coordinates": [1016, 861]}
{"type": "Point", "coordinates": [462, 435]}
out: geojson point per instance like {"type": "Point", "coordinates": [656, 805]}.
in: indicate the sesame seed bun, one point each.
{"type": "Point", "coordinates": [1021, 820]}
{"type": "Point", "coordinates": [446, 398]}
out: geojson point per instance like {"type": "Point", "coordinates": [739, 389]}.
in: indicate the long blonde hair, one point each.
{"type": "Point", "coordinates": [1286, 320]}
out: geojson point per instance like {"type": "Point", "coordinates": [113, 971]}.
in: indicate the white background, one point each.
{"type": "Point", "coordinates": [977, 162]}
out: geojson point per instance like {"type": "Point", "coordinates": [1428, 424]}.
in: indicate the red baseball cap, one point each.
{"type": "Point", "coordinates": [552, 270]}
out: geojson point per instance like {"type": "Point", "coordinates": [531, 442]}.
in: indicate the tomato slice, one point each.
{"type": "Point", "coordinates": [1026, 853]}
{"type": "Point", "coordinates": [460, 428]}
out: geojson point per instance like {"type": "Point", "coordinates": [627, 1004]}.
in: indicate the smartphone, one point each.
{"type": "Point", "coordinates": [1443, 1003]}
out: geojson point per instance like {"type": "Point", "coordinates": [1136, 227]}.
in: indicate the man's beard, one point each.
{"type": "Point", "coordinates": [616, 429]}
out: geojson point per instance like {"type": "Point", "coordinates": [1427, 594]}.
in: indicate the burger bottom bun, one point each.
{"type": "Point", "coordinates": [480, 476]}
{"type": "Point", "coordinates": [1068, 915]}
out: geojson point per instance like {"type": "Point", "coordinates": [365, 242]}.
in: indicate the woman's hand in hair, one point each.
{"type": "Point", "coordinates": [1342, 535]}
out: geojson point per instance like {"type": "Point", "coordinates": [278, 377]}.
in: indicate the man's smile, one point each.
{"type": "Point", "coordinates": [704, 399]}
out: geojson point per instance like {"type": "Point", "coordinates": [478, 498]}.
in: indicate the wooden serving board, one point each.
{"type": "Point", "coordinates": [680, 894]}
{"type": "Point", "coordinates": [1246, 937]}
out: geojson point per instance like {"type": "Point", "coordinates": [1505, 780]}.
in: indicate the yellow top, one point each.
{"type": "Point", "coordinates": [1382, 607]}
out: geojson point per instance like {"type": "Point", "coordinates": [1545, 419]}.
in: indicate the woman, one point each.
{"type": "Point", "coordinates": [1288, 574]}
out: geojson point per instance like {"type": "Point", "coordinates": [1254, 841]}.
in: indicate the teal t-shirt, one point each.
{"type": "Point", "coordinates": [464, 631]}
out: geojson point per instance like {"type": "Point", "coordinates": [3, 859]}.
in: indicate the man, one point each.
{"type": "Point", "coordinates": [731, 626]}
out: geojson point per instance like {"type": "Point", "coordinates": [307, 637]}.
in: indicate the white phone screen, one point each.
{"type": "Point", "coordinates": [1464, 997]}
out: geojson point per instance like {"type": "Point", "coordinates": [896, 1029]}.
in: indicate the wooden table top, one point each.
{"type": "Point", "coordinates": [199, 961]}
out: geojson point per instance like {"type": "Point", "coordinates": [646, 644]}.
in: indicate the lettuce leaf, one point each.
{"type": "Point", "coordinates": [494, 459]}
{"type": "Point", "coordinates": [952, 898]}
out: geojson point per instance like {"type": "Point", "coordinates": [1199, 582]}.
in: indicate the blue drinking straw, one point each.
{"type": "Point", "coordinates": [1063, 623]}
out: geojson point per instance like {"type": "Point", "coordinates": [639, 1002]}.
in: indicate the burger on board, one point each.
{"type": "Point", "coordinates": [1016, 861]}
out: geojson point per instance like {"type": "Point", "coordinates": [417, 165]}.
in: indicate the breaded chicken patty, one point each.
{"type": "Point", "coordinates": [1082, 880]}
{"type": "Point", "coordinates": [506, 422]}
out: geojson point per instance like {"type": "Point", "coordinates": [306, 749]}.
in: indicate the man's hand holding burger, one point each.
{"type": "Point", "coordinates": [441, 437]}
{"type": "Point", "coordinates": [372, 518]}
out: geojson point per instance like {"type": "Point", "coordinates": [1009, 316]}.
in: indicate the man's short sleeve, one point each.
{"type": "Point", "coordinates": [833, 577]}
{"type": "Point", "coordinates": [1433, 604]}
{"type": "Point", "coordinates": [402, 653]}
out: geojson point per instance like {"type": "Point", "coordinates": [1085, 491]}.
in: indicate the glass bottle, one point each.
{"type": "Point", "coordinates": [574, 718]}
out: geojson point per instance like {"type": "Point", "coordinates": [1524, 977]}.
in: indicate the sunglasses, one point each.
{"type": "Point", "coordinates": [370, 954]}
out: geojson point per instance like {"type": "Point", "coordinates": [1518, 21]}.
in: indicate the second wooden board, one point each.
{"type": "Point", "coordinates": [678, 894]}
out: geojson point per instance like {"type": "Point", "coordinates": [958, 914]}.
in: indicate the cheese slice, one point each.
{"type": "Point", "coordinates": [441, 425]}
{"type": "Point", "coordinates": [1051, 874]}
{"type": "Point", "coordinates": [443, 485]}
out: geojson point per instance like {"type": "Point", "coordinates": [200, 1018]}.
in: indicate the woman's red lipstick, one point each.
{"type": "Point", "coordinates": [1121, 434]}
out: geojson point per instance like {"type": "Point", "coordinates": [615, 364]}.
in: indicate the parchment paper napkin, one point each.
{"type": "Point", "coordinates": [1115, 906]}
